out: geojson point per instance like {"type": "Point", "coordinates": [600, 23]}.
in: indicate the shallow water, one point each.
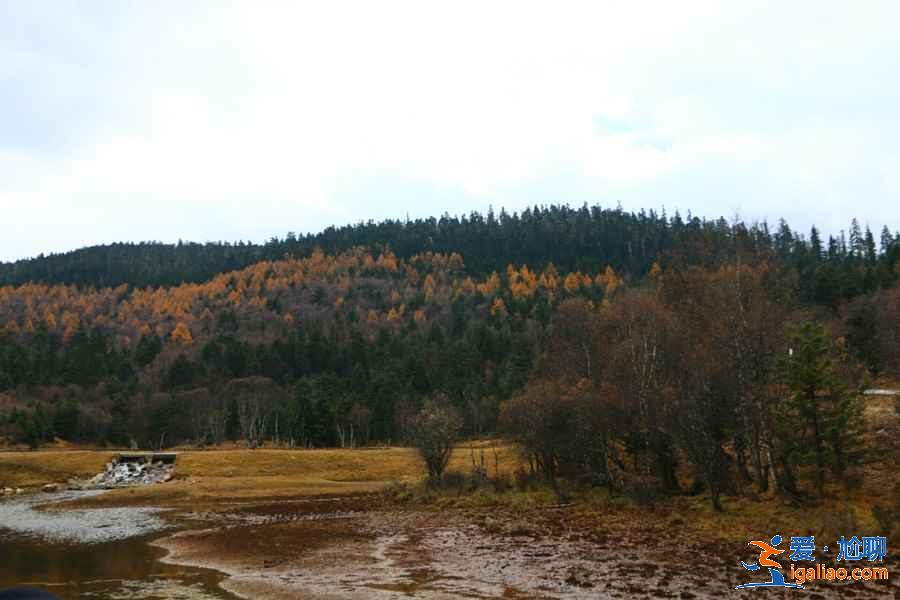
{"type": "Point", "coordinates": [96, 553]}
{"type": "Point", "coordinates": [28, 515]}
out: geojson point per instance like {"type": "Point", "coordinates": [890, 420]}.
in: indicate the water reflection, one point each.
{"type": "Point", "coordinates": [120, 569]}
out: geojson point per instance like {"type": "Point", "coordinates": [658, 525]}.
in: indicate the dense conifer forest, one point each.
{"type": "Point", "coordinates": [832, 269]}
{"type": "Point", "coordinates": [583, 333]}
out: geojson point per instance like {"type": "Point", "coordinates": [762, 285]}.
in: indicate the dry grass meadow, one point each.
{"type": "Point", "coordinates": [219, 477]}
{"type": "Point", "coordinates": [236, 474]}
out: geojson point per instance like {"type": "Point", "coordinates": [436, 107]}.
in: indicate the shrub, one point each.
{"type": "Point", "coordinates": [526, 480]}
{"type": "Point", "coordinates": [643, 489]}
{"type": "Point", "coordinates": [433, 432]}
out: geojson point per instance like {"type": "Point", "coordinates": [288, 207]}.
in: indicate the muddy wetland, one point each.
{"type": "Point", "coordinates": [349, 546]}
{"type": "Point", "coordinates": [93, 553]}
{"type": "Point", "coordinates": [352, 546]}
{"type": "Point", "coordinates": [270, 524]}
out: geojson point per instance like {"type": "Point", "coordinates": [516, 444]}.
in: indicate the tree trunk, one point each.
{"type": "Point", "coordinates": [665, 463]}
{"type": "Point", "coordinates": [761, 470]}
{"type": "Point", "coordinates": [817, 438]}
{"type": "Point", "coordinates": [787, 483]}
{"type": "Point", "coordinates": [840, 463]}
{"type": "Point", "coordinates": [715, 497]}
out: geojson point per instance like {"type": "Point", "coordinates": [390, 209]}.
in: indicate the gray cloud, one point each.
{"type": "Point", "coordinates": [214, 120]}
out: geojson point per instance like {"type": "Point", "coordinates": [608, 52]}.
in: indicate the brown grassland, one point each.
{"type": "Point", "coordinates": [219, 476]}
{"type": "Point", "coordinates": [271, 498]}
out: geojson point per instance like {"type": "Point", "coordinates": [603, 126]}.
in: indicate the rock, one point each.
{"type": "Point", "coordinates": [120, 474]}
{"type": "Point", "coordinates": [51, 487]}
{"type": "Point", "coordinates": [18, 490]}
{"type": "Point", "coordinates": [7, 491]}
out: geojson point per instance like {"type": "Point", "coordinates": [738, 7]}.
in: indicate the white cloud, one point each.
{"type": "Point", "coordinates": [234, 120]}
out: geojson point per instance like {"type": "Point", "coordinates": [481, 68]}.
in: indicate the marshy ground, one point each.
{"type": "Point", "coordinates": [273, 523]}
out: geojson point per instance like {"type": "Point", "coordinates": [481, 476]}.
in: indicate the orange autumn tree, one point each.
{"type": "Point", "coordinates": [522, 282]}
{"type": "Point", "coordinates": [429, 288]}
{"type": "Point", "coordinates": [572, 282]}
{"type": "Point", "coordinates": [490, 286]}
{"type": "Point", "coordinates": [182, 335]}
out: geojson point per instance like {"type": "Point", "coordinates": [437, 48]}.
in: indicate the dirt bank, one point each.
{"type": "Point", "coordinates": [362, 548]}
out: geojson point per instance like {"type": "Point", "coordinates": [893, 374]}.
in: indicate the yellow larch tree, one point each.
{"type": "Point", "coordinates": [549, 278]}
{"type": "Point", "coordinates": [387, 261]}
{"type": "Point", "coordinates": [468, 286]}
{"type": "Point", "coordinates": [429, 287]}
{"type": "Point", "coordinates": [69, 324]}
{"type": "Point", "coordinates": [527, 283]}
{"type": "Point", "coordinates": [609, 281]}
{"type": "Point", "coordinates": [182, 335]}
{"type": "Point", "coordinates": [50, 319]}
{"type": "Point", "coordinates": [512, 279]}
{"type": "Point", "coordinates": [491, 285]}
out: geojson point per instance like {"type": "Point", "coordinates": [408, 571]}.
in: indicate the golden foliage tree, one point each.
{"type": "Point", "coordinates": [572, 282]}
{"type": "Point", "coordinates": [490, 286]}
{"type": "Point", "coordinates": [429, 287]}
{"type": "Point", "coordinates": [182, 335]}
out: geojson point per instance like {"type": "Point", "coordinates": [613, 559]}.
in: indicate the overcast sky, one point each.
{"type": "Point", "coordinates": [223, 121]}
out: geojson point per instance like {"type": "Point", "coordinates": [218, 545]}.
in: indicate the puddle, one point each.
{"type": "Point", "coordinates": [23, 515]}
{"type": "Point", "coordinates": [121, 569]}
{"type": "Point", "coordinates": [93, 553]}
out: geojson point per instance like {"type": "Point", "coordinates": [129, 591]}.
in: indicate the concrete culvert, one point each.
{"type": "Point", "coordinates": [132, 468]}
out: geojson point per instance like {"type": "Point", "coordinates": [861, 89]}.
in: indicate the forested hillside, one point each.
{"type": "Point", "coordinates": [328, 340]}
{"type": "Point", "coordinates": [586, 239]}
{"type": "Point", "coordinates": [334, 343]}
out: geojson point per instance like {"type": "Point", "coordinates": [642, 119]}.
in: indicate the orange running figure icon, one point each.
{"type": "Point", "coordinates": [776, 579]}
{"type": "Point", "coordinates": [767, 551]}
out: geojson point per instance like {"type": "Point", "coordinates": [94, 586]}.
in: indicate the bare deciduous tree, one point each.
{"type": "Point", "coordinates": [255, 398]}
